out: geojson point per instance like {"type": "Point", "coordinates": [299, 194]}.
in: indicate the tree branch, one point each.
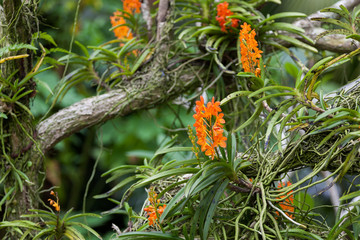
{"type": "Point", "coordinates": [96, 110]}
{"type": "Point", "coordinates": [335, 42]}
{"type": "Point", "coordinates": [153, 86]}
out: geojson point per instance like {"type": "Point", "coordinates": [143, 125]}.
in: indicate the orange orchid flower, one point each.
{"type": "Point", "coordinates": [131, 5]}
{"type": "Point", "coordinates": [209, 126]}
{"type": "Point", "coordinates": [250, 54]}
{"type": "Point", "coordinates": [222, 16]}
{"type": "Point", "coordinates": [288, 204]}
{"type": "Point", "coordinates": [154, 210]}
{"type": "Point", "coordinates": [56, 204]}
{"type": "Point", "coordinates": [121, 32]}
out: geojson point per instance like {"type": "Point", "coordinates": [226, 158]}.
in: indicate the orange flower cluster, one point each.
{"type": "Point", "coordinates": [154, 210]}
{"type": "Point", "coordinates": [131, 5]}
{"type": "Point", "coordinates": [124, 32]}
{"type": "Point", "coordinates": [208, 125]}
{"type": "Point", "coordinates": [250, 54]}
{"type": "Point", "coordinates": [287, 204]}
{"type": "Point", "coordinates": [222, 13]}
{"type": "Point", "coordinates": [56, 204]}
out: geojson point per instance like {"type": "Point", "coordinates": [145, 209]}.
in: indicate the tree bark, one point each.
{"type": "Point", "coordinates": [17, 130]}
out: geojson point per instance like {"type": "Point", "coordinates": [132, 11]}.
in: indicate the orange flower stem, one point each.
{"type": "Point", "coordinates": [157, 221]}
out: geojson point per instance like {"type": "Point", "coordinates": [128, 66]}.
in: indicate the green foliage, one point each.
{"type": "Point", "coordinates": [348, 27]}
{"type": "Point", "coordinates": [16, 47]}
{"type": "Point", "coordinates": [52, 226]}
{"type": "Point", "coordinates": [274, 127]}
{"type": "Point", "coordinates": [215, 198]}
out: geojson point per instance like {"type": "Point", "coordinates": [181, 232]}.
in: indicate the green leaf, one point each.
{"type": "Point", "coordinates": [304, 201]}
{"type": "Point", "coordinates": [83, 48]}
{"type": "Point", "coordinates": [253, 117]}
{"type": "Point", "coordinates": [110, 54]}
{"type": "Point", "coordinates": [45, 36]}
{"type": "Point", "coordinates": [75, 234]}
{"type": "Point", "coordinates": [123, 167]}
{"type": "Point", "coordinates": [43, 232]}
{"type": "Point", "coordinates": [275, 95]}
{"type": "Point", "coordinates": [31, 75]}
{"type": "Point", "coordinates": [335, 22]}
{"type": "Point", "coordinates": [20, 223]}
{"type": "Point", "coordinates": [48, 214]}
{"type": "Point", "coordinates": [44, 84]}
{"type": "Point", "coordinates": [271, 88]}
{"type": "Point", "coordinates": [354, 36]}
{"type": "Point", "coordinates": [283, 123]}
{"type": "Point", "coordinates": [221, 66]}
{"type": "Point", "coordinates": [3, 115]}
{"type": "Point", "coordinates": [319, 65]}
{"type": "Point", "coordinates": [161, 175]}
{"type": "Point", "coordinates": [296, 42]}
{"type": "Point", "coordinates": [337, 11]}
{"type": "Point", "coordinates": [206, 30]}
{"type": "Point", "coordinates": [204, 181]}
{"type": "Point", "coordinates": [281, 26]}
{"type": "Point", "coordinates": [16, 47]}
{"type": "Point", "coordinates": [337, 109]}
{"type": "Point", "coordinates": [175, 200]}
{"type": "Point", "coordinates": [211, 211]}
{"type": "Point", "coordinates": [128, 46]}
{"type": "Point", "coordinates": [350, 196]}
{"type": "Point", "coordinates": [117, 187]}
{"type": "Point", "coordinates": [275, 118]}
{"type": "Point", "coordinates": [140, 60]}
{"type": "Point", "coordinates": [234, 95]}
{"type": "Point", "coordinates": [210, 42]}
{"type": "Point", "coordinates": [5, 197]}
{"type": "Point", "coordinates": [282, 15]}
{"type": "Point", "coordinates": [333, 31]}
{"type": "Point", "coordinates": [301, 234]}
{"type": "Point", "coordinates": [176, 163]}
{"type": "Point", "coordinates": [86, 228]}
{"type": "Point", "coordinates": [81, 215]}
{"type": "Point", "coordinates": [173, 149]}
{"type": "Point", "coordinates": [119, 174]}
{"type": "Point", "coordinates": [148, 236]}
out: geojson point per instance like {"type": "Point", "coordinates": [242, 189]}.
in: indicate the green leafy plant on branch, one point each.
{"type": "Point", "coordinates": [239, 174]}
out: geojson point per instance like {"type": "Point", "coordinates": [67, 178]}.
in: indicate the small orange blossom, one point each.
{"type": "Point", "coordinates": [154, 210]}
{"type": "Point", "coordinates": [56, 204]}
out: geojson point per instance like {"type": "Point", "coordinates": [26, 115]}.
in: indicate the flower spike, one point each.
{"type": "Point", "coordinates": [250, 54]}
{"type": "Point", "coordinates": [209, 126]}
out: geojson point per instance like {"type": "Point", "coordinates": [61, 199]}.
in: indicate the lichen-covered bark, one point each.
{"type": "Point", "coordinates": [335, 42]}
{"type": "Point", "coordinates": [96, 110]}
{"type": "Point", "coordinates": [18, 128]}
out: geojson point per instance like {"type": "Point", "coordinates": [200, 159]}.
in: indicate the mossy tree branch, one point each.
{"type": "Point", "coordinates": [335, 42]}
{"type": "Point", "coordinates": [141, 94]}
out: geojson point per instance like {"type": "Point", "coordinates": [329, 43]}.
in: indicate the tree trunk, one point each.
{"type": "Point", "coordinates": [19, 165]}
